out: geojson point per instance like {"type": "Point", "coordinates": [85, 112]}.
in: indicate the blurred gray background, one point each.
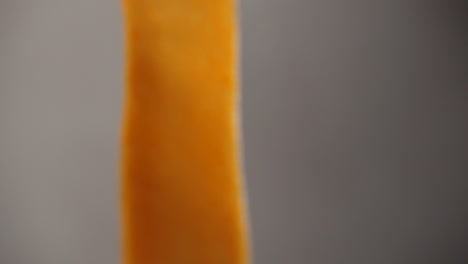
{"type": "Point", "coordinates": [355, 118]}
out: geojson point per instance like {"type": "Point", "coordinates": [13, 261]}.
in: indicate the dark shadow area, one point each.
{"type": "Point", "coordinates": [355, 130]}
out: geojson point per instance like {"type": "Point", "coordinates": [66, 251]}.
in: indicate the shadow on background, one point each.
{"type": "Point", "coordinates": [355, 115]}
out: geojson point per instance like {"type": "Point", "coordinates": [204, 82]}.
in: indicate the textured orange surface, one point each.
{"type": "Point", "coordinates": [182, 197]}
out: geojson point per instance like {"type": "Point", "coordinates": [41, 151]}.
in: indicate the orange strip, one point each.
{"type": "Point", "coordinates": [182, 196]}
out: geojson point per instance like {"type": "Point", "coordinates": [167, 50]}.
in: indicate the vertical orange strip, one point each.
{"type": "Point", "coordinates": [182, 196]}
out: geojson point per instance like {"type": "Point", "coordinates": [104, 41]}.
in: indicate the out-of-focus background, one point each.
{"type": "Point", "coordinates": [355, 120]}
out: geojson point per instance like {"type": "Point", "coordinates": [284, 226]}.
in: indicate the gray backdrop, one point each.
{"type": "Point", "coordinates": [355, 130]}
